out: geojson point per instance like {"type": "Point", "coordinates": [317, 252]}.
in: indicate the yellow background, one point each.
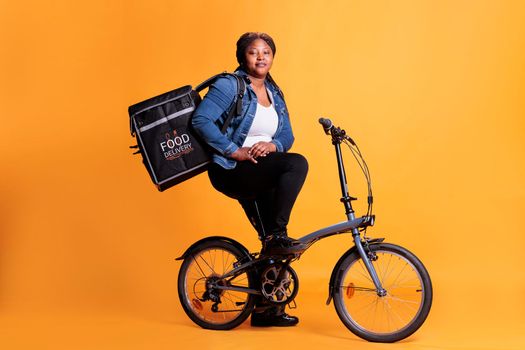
{"type": "Point", "coordinates": [433, 92]}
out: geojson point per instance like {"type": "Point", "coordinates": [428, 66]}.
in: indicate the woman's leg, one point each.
{"type": "Point", "coordinates": [267, 192]}
{"type": "Point", "coordinates": [259, 213]}
{"type": "Point", "coordinates": [282, 173]}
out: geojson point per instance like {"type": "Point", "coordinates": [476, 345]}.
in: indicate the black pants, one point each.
{"type": "Point", "coordinates": [267, 190]}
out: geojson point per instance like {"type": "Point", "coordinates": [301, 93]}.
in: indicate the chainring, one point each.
{"type": "Point", "coordinates": [279, 292]}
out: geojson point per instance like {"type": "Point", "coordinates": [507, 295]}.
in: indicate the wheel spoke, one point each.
{"type": "Point", "coordinates": [238, 281]}
{"type": "Point", "coordinates": [212, 259]}
{"type": "Point", "coordinates": [364, 272]}
{"type": "Point", "coordinates": [389, 268]}
{"type": "Point", "coordinates": [211, 268]}
{"type": "Point", "coordinates": [383, 318]}
{"type": "Point", "coordinates": [393, 312]}
{"type": "Point", "coordinates": [197, 263]}
{"type": "Point", "coordinates": [226, 296]}
{"type": "Point", "coordinates": [362, 289]}
{"type": "Point", "coordinates": [404, 300]}
{"type": "Point", "coordinates": [209, 265]}
{"type": "Point", "coordinates": [378, 264]}
{"type": "Point", "coordinates": [223, 262]}
{"type": "Point", "coordinates": [399, 274]}
{"type": "Point", "coordinates": [227, 263]}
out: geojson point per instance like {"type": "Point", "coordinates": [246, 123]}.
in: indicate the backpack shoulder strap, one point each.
{"type": "Point", "coordinates": [236, 108]}
{"type": "Point", "coordinates": [241, 85]}
{"type": "Point", "coordinates": [208, 82]}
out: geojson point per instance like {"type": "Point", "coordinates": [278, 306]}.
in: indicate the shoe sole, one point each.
{"type": "Point", "coordinates": [274, 325]}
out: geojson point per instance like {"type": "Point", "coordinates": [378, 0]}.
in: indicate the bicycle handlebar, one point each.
{"type": "Point", "coordinates": [327, 124]}
{"type": "Point", "coordinates": [336, 132]}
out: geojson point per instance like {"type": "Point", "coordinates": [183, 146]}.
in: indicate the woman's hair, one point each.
{"type": "Point", "coordinates": [242, 44]}
{"type": "Point", "coordinates": [246, 39]}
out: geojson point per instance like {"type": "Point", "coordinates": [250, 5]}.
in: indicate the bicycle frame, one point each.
{"type": "Point", "coordinates": [352, 225]}
{"type": "Point", "coordinates": [219, 275]}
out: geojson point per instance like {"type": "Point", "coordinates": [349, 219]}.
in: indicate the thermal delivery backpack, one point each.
{"type": "Point", "coordinates": [171, 150]}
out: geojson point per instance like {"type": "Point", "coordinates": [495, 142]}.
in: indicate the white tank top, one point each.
{"type": "Point", "coordinates": [263, 127]}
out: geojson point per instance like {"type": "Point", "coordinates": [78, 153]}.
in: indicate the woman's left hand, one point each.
{"type": "Point", "coordinates": [261, 149]}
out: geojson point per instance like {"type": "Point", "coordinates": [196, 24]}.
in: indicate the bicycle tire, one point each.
{"type": "Point", "coordinates": [207, 261]}
{"type": "Point", "coordinates": [390, 318]}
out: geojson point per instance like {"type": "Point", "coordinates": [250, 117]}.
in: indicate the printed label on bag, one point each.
{"type": "Point", "coordinates": [175, 145]}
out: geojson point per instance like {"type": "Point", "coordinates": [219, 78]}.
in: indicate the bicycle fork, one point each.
{"type": "Point", "coordinates": [367, 260]}
{"type": "Point", "coordinates": [337, 137]}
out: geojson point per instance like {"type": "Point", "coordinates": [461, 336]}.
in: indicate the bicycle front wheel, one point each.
{"type": "Point", "coordinates": [207, 306]}
{"type": "Point", "coordinates": [388, 318]}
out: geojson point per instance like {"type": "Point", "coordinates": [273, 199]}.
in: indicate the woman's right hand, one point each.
{"type": "Point", "coordinates": [242, 154]}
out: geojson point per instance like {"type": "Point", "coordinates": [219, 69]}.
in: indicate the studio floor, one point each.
{"type": "Point", "coordinates": [170, 329]}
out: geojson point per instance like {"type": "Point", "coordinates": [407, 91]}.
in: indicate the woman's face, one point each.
{"type": "Point", "coordinates": [259, 58]}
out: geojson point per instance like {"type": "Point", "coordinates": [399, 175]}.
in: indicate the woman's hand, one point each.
{"type": "Point", "coordinates": [242, 154]}
{"type": "Point", "coordinates": [261, 149]}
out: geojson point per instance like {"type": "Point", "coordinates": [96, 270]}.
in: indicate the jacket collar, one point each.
{"type": "Point", "coordinates": [241, 72]}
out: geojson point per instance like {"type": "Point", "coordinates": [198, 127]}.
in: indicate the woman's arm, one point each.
{"type": "Point", "coordinates": [217, 101]}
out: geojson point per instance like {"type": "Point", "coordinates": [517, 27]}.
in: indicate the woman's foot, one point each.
{"type": "Point", "coordinates": [273, 320]}
{"type": "Point", "coordinates": [281, 245]}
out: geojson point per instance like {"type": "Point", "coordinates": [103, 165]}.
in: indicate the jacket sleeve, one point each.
{"type": "Point", "coordinates": [218, 100]}
{"type": "Point", "coordinates": [284, 140]}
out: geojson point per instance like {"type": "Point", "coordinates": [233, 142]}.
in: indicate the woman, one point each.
{"type": "Point", "coordinates": [251, 163]}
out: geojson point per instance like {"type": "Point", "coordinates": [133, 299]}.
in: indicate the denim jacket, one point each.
{"type": "Point", "coordinates": [213, 111]}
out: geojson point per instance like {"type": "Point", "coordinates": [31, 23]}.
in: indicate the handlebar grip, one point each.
{"type": "Point", "coordinates": [326, 123]}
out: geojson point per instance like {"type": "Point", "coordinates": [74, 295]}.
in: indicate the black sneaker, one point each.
{"type": "Point", "coordinates": [282, 245]}
{"type": "Point", "coordinates": [272, 320]}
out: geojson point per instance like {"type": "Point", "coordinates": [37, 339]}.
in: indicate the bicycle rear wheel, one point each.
{"type": "Point", "coordinates": [392, 317]}
{"type": "Point", "coordinates": [210, 307]}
